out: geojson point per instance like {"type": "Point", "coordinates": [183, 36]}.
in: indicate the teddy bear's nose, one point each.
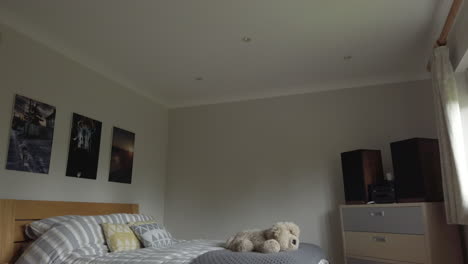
{"type": "Point", "coordinates": [294, 242]}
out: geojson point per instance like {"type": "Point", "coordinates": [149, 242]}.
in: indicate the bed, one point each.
{"type": "Point", "coordinates": [68, 247]}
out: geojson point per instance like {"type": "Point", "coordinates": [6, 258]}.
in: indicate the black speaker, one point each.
{"type": "Point", "coordinates": [361, 168]}
{"type": "Point", "coordinates": [416, 165]}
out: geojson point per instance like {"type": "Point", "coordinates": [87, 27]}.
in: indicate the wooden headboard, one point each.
{"type": "Point", "coordinates": [15, 214]}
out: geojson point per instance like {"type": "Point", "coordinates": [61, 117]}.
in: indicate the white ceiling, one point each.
{"type": "Point", "coordinates": [159, 47]}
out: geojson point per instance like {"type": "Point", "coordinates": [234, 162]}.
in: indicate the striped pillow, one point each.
{"type": "Point", "coordinates": [37, 228]}
{"type": "Point", "coordinates": [141, 223]}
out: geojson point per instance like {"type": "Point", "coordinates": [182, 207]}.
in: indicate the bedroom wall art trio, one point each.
{"type": "Point", "coordinates": [31, 138]}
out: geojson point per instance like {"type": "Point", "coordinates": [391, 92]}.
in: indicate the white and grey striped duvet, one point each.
{"type": "Point", "coordinates": [182, 252]}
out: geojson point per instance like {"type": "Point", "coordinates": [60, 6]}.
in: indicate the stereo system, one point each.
{"type": "Point", "coordinates": [416, 168]}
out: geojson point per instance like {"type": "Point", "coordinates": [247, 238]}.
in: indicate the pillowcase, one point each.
{"type": "Point", "coordinates": [120, 237]}
{"type": "Point", "coordinates": [153, 235]}
{"type": "Point", "coordinates": [37, 228]}
{"type": "Point", "coordinates": [82, 236]}
{"type": "Point", "coordinates": [141, 223]}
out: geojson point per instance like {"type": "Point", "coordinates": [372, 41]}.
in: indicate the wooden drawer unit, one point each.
{"type": "Point", "coordinates": [399, 234]}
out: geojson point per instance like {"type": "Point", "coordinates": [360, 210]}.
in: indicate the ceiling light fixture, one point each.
{"type": "Point", "coordinates": [246, 39]}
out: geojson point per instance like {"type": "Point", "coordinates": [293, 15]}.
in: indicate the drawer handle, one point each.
{"type": "Point", "coordinates": [381, 213]}
{"type": "Point", "coordinates": [379, 239]}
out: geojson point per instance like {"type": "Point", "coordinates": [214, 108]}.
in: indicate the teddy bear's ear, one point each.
{"type": "Point", "coordinates": [293, 228]}
{"type": "Point", "coordinates": [274, 231]}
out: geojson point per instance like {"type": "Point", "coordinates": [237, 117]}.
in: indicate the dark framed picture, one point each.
{"type": "Point", "coordinates": [83, 152]}
{"type": "Point", "coordinates": [121, 164]}
{"type": "Point", "coordinates": [31, 135]}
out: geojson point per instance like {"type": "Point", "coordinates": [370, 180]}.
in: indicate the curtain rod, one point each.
{"type": "Point", "coordinates": [442, 40]}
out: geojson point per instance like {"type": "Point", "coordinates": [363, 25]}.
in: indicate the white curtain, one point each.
{"type": "Point", "coordinates": [450, 134]}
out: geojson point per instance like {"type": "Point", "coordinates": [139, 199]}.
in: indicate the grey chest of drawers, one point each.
{"type": "Point", "coordinates": [405, 233]}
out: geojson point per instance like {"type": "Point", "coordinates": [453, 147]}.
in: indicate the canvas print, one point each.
{"type": "Point", "coordinates": [83, 151]}
{"type": "Point", "coordinates": [31, 133]}
{"type": "Point", "coordinates": [122, 156]}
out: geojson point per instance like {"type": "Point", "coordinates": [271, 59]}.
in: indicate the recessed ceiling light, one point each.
{"type": "Point", "coordinates": [347, 58]}
{"type": "Point", "coordinates": [246, 39]}
{"type": "Point", "coordinates": [199, 78]}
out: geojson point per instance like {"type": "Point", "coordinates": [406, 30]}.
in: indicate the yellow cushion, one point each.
{"type": "Point", "coordinates": [120, 237]}
{"type": "Point", "coordinates": [141, 223]}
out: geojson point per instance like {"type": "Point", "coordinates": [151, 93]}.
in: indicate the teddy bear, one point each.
{"type": "Point", "coordinates": [282, 236]}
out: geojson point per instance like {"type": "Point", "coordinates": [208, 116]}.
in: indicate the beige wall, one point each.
{"type": "Point", "coordinates": [248, 164]}
{"type": "Point", "coordinates": [33, 70]}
